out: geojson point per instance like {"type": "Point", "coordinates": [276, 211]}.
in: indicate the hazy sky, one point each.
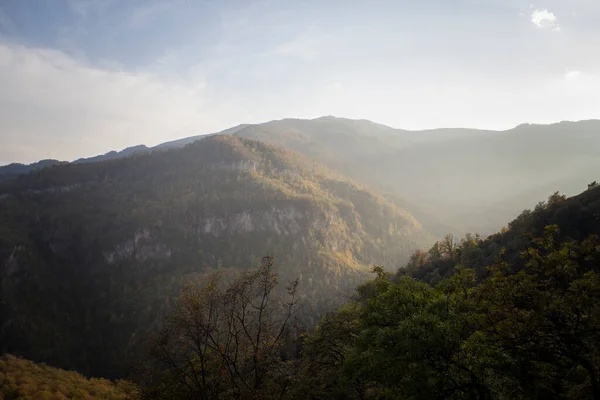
{"type": "Point", "coordinates": [82, 77]}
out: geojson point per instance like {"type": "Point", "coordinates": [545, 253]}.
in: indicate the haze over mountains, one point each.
{"type": "Point", "coordinates": [453, 180]}
{"type": "Point", "coordinates": [94, 253]}
{"type": "Point", "coordinates": [122, 236]}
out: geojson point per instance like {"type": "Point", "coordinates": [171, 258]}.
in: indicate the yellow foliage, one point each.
{"type": "Point", "coordinates": [23, 379]}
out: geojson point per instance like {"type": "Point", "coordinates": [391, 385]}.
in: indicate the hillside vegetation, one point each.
{"type": "Point", "coordinates": [431, 173]}
{"type": "Point", "coordinates": [577, 217]}
{"type": "Point", "coordinates": [512, 316]}
{"type": "Point", "coordinates": [93, 254]}
{"type": "Point", "coordinates": [23, 379]}
{"type": "Point", "coordinates": [525, 325]}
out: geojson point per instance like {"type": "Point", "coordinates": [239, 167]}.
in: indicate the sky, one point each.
{"type": "Point", "coordinates": [82, 77]}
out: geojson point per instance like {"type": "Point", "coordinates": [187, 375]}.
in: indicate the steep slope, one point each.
{"type": "Point", "coordinates": [577, 217]}
{"type": "Point", "coordinates": [23, 379]}
{"type": "Point", "coordinates": [465, 180]}
{"type": "Point", "coordinates": [92, 254]}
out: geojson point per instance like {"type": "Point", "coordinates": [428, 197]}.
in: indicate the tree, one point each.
{"type": "Point", "coordinates": [556, 198]}
{"type": "Point", "coordinates": [223, 340]}
{"type": "Point", "coordinates": [418, 259]}
{"type": "Point", "coordinates": [324, 352]}
{"type": "Point", "coordinates": [410, 340]}
{"type": "Point", "coordinates": [527, 330]}
{"type": "Point", "coordinates": [546, 316]}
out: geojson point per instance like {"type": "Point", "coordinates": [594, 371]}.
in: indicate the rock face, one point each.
{"type": "Point", "coordinates": [143, 246]}
{"type": "Point", "coordinates": [91, 255]}
{"type": "Point", "coordinates": [282, 221]}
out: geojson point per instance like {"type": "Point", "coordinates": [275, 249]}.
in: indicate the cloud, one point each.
{"type": "Point", "coordinates": [545, 20]}
{"type": "Point", "coordinates": [52, 105]}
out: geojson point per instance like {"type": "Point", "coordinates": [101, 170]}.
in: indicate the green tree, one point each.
{"type": "Point", "coordinates": [325, 351]}
{"type": "Point", "coordinates": [546, 316]}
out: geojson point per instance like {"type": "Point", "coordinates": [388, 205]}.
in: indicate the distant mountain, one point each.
{"type": "Point", "coordinates": [478, 182]}
{"type": "Point", "coordinates": [18, 169]}
{"type": "Point", "coordinates": [185, 141]}
{"type": "Point", "coordinates": [14, 169]}
{"type": "Point", "coordinates": [339, 140]}
{"type": "Point", "coordinates": [455, 180]}
{"type": "Point", "coordinates": [115, 154]}
{"type": "Point", "coordinates": [92, 254]}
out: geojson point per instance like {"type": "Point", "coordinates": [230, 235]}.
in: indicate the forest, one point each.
{"type": "Point", "coordinates": [123, 236]}
{"type": "Point", "coordinates": [514, 315]}
{"type": "Point", "coordinates": [526, 325]}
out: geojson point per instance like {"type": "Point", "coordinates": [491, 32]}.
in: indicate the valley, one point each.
{"type": "Point", "coordinates": [95, 254]}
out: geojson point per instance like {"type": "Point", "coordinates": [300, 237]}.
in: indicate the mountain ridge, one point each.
{"type": "Point", "coordinates": [431, 171]}
{"type": "Point", "coordinates": [190, 139]}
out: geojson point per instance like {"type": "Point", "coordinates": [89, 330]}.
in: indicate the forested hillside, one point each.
{"type": "Point", "coordinates": [23, 379]}
{"type": "Point", "coordinates": [515, 316]}
{"type": "Point", "coordinates": [453, 180]}
{"type": "Point", "coordinates": [92, 254]}
{"type": "Point", "coordinates": [577, 217]}
{"type": "Point", "coordinates": [511, 316]}
{"type": "Point", "coordinates": [460, 179]}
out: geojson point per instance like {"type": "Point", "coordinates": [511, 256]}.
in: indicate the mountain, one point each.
{"type": "Point", "coordinates": [457, 179]}
{"type": "Point", "coordinates": [452, 180]}
{"type": "Point", "coordinates": [483, 180]}
{"type": "Point", "coordinates": [111, 155]}
{"type": "Point", "coordinates": [11, 170]}
{"type": "Point", "coordinates": [577, 218]}
{"type": "Point", "coordinates": [340, 140]}
{"type": "Point", "coordinates": [19, 169]}
{"type": "Point", "coordinates": [185, 141]}
{"type": "Point", "coordinates": [92, 254]}
{"type": "Point", "coordinates": [432, 173]}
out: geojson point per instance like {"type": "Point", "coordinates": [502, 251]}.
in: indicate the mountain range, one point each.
{"type": "Point", "coordinates": [94, 252]}
{"type": "Point", "coordinates": [451, 180]}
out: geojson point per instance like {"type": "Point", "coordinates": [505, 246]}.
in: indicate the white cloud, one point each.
{"type": "Point", "coordinates": [52, 105]}
{"type": "Point", "coordinates": [545, 20]}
